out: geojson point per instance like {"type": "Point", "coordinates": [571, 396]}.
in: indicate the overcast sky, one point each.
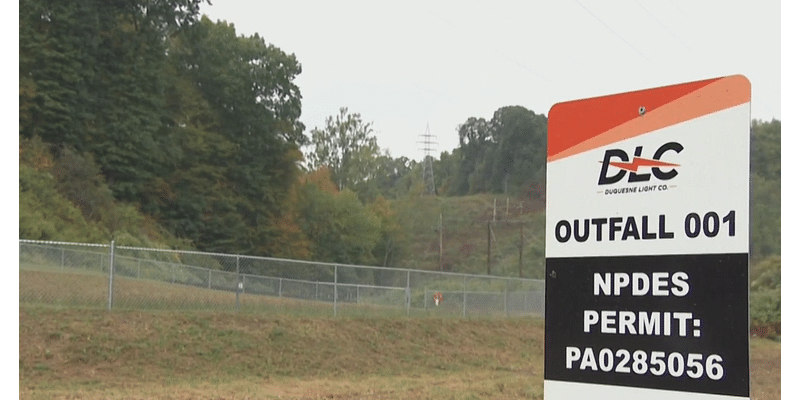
{"type": "Point", "coordinates": [406, 65]}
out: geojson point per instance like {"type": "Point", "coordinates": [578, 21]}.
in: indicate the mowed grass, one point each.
{"type": "Point", "coordinates": [49, 287]}
{"type": "Point", "coordinates": [129, 354]}
{"type": "Point", "coordinates": [94, 354]}
{"type": "Point", "coordinates": [71, 348]}
{"type": "Point", "coordinates": [765, 369]}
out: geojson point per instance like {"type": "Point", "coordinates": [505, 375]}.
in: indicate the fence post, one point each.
{"type": "Point", "coordinates": [138, 268]}
{"type": "Point", "coordinates": [280, 287]}
{"type": "Point", "coordinates": [209, 278]}
{"type": "Point", "coordinates": [335, 288]}
{"type": "Point", "coordinates": [111, 276]}
{"type": "Point", "coordinates": [62, 259]}
{"type": "Point", "coordinates": [408, 292]}
{"type": "Point", "coordinates": [524, 302]}
{"type": "Point", "coordinates": [521, 244]}
{"type": "Point", "coordinates": [488, 248]}
{"type": "Point", "coordinates": [441, 243]}
{"type": "Point", "coordinates": [464, 306]}
{"type": "Point", "coordinates": [505, 300]}
{"type": "Point", "coordinates": [239, 280]}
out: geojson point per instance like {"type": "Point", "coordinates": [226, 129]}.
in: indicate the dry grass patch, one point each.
{"type": "Point", "coordinates": [93, 354]}
{"type": "Point", "coordinates": [765, 369]}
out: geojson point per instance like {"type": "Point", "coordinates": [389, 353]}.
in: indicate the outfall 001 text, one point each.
{"type": "Point", "coordinates": [708, 224]}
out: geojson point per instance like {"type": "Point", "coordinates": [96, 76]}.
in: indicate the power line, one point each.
{"type": "Point", "coordinates": [663, 26]}
{"type": "Point", "coordinates": [522, 65]}
{"type": "Point", "coordinates": [679, 9]}
{"type": "Point", "coordinates": [519, 64]}
{"type": "Point", "coordinates": [612, 31]}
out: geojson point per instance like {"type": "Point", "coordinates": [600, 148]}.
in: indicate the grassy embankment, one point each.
{"type": "Point", "coordinates": [71, 348]}
{"type": "Point", "coordinates": [166, 355]}
{"type": "Point", "coordinates": [95, 354]}
{"type": "Point", "coordinates": [90, 353]}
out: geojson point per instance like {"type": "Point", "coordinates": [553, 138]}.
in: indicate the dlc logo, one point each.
{"type": "Point", "coordinates": [632, 167]}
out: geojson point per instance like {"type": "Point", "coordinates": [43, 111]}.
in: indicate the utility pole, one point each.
{"type": "Point", "coordinates": [521, 244]}
{"type": "Point", "coordinates": [441, 243]}
{"type": "Point", "coordinates": [488, 248]}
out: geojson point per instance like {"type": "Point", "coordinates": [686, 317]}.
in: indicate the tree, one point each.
{"type": "Point", "coordinates": [473, 141]}
{"type": "Point", "coordinates": [198, 126]}
{"type": "Point", "coordinates": [521, 152]}
{"type": "Point", "coordinates": [234, 114]}
{"type": "Point", "coordinates": [90, 79]}
{"type": "Point", "coordinates": [503, 155]}
{"type": "Point", "coordinates": [339, 227]}
{"type": "Point", "coordinates": [765, 297]}
{"type": "Point", "coordinates": [390, 233]}
{"type": "Point", "coordinates": [346, 146]}
{"type": "Point", "coordinates": [391, 178]}
{"type": "Point", "coordinates": [44, 213]}
{"type": "Point", "coordinates": [765, 179]}
{"type": "Point", "coordinates": [445, 170]}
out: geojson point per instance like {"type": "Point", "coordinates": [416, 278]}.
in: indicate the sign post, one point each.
{"type": "Point", "coordinates": [647, 244]}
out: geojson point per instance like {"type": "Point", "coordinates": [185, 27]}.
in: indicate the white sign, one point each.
{"type": "Point", "coordinates": [647, 244]}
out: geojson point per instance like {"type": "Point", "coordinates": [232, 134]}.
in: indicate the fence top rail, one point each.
{"type": "Point", "coordinates": [62, 243]}
{"type": "Point", "coordinates": [359, 285]}
{"type": "Point", "coordinates": [450, 274]}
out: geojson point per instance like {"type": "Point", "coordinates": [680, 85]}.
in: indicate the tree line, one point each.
{"type": "Point", "coordinates": [145, 119]}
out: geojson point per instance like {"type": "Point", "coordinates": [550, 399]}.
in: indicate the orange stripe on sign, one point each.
{"type": "Point", "coordinates": [573, 122]}
{"type": "Point", "coordinates": [720, 94]}
{"type": "Point", "coordinates": [578, 126]}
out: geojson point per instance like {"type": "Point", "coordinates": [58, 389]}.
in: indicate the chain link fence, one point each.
{"type": "Point", "coordinates": [59, 274]}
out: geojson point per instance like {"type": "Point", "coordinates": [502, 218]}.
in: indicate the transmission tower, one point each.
{"type": "Point", "coordinates": [428, 144]}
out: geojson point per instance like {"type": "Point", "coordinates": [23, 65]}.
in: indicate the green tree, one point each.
{"type": "Point", "coordinates": [339, 227]}
{"type": "Point", "coordinates": [765, 177]}
{"type": "Point", "coordinates": [391, 178]}
{"type": "Point", "coordinates": [90, 79]}
{"type": "Point", "coordinates": [390, 232]}
{"type": "Point", "coordinates": [234, 114]}
{"type": "Point", "coordinates": [520, 156]}
{"type": "Point", "coordinates": [765, 296]}
{"type": "Point", "coordinates": [445, 170]}
{"type": "Point", "coordinates": [474, 144]}
{"type": "Point", "coordinates": [506, 154]}
{"type": "Point", "coordinates": [66, 198]}
{"type": "Point", "coordinates": [44, 213]}
{"type": "Point", "coordinates": [347, 147]}
{"type": "Point", "coordinates": [198, 126]}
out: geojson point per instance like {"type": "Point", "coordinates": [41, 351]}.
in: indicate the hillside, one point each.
{"type": "Point", "coordinates": [93, 354]}
{"type": "Point", "coordinates": [67, 199]}
{"type": "Point", "coordinates": [175, 355]}
{"type": "Point", "coordinates": [470, 225]}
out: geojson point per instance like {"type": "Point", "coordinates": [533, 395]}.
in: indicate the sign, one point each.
{"type": "Point", "coordinates": [647, 244]}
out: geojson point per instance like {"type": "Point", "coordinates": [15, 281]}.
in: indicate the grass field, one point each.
{"type": "Point", "coordinates": [191, 344]}
{"type": "Point", "coordinates": [79, 288]}
{"type": "Point", "coordinates": [93, 354]}
{"type": "Point", "coordinates": [52, 287]}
